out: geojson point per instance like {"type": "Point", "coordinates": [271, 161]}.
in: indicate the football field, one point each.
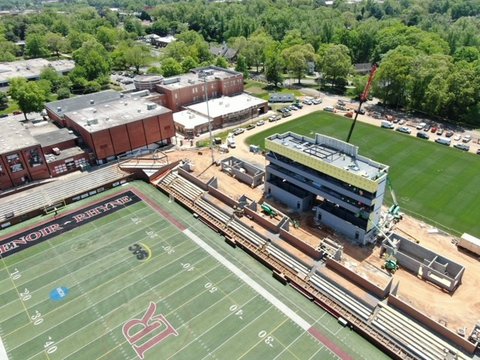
{"type": "Point", "coordinates": [122, 278]}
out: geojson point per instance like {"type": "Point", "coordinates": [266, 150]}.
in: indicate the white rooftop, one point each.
{"type": "Point", "coordinates": [31, 69]}
{"type": "Point", "coordinates": [226, 105]}
{"type": "Point", "coordinates": [116, 112]}
{"type": "Point", "coordinates": [197, 76]}
{"type": "Point", "coordinates": [14, 136]}
{"type": "Point", "coordinates": [188, 119]}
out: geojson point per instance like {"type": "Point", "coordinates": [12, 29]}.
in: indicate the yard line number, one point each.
{"type": "Point", "coordinates": [268, 339]}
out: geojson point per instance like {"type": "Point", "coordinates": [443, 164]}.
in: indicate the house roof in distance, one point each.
{"type": "Point", "coordinates": [31, 69]}
{"type": "Point", "coordinates": [226, 105]}
{"type": "Point", "coordinates": [14, 136]}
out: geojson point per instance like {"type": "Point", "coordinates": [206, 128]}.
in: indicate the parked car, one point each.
{"type": "Point", "coordinates": [423, 135]}
{"type": "Point", "coordinates": [440, 131]}
{"type": "Point", "coordinates": [404, 129]}
{"type": "Point", "coordinates": [478, 152]}
{"type": "Point", "coordinates": [457, 137]}
{"type": "Point", "coordinates": [286, 114]}
{"type": "Point", "coordinates": [427, 127]}
{"type": "Point", "coordinates": [307, 102]}
{"type": "Point", "coordinates": [386, 124]}
{"type": "Point", "coordinates": [349, 114]}
{"type": "Point", "coordinates": [463, 147]}
{"type": "Point", "coordinates": [362, 111]}
{"type": "Point", "coordinates": [329, 109]}
{"type": "Point", "coordinates": [467, 138]}
{"type": "Point", "coordinates": [298, 105]}
{"type": "Point", "coordinates": [449, 133]}
{"type": "Point", "coordinates": [443, 141]}
{"type": "Point", "coordinates": [433, 129]}
{"type": "Point", "coordinates": [421, 125]}
{"type": "Point", "coordinates": [316, 101]}
{"type": "Point", "coordinates": [238, 131]}
{"type": "Point", "coordinates": [401, 122]}
{"type": "Point", "coordinates": [260, 123]}
{"type": "Point", "coordinates": [251, 126]}
{"type": "Point", "coordinates": [341, 102]}
{"type": "Point", "coordinates": [292, 108]}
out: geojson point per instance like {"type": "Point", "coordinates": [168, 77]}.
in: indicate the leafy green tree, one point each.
{"type": "Point", "coordinates": [297, 58]}
{"type": "Point", "coordinates": [137, 56]}
{"type": "Point", "coordinates": [254, 51]}
{"type": "Point", "coordinates": [55, 43]}
{"type": "Point", "coordinates": [394, 76]}
{"type": "Point", "coordinates": [467, 53]}
{"type": "Point", "coordinates": [178, 50]}
{"type": "Point", "coordinates": [35, 45]}
{"type": "Point", "coordinates": [171, 67]}
{"type": "Point", "coordinates": [9, 51]}
{"type": "Point", "coordinates": [188, 64]}
{"type": "Point", "coordinates": [3, 101]}
{"type": "Point", "coordinates": [335, 63]}
{"type": "Point", "coordinates": [358, 85]}
{"type": "Point", "coordinates": [28, 95]}
{"type": "Point", "coordinates": [274, 64]}
{"type": "Point", "coordinates": [242, 66]}
{"type": "Point", "coordinates": [93, 58]}
{"type": "Point", "coordinates": [107, 37]}
{"type": "Point", "coordinates": [52, 76]}
{"type": "Point", "coordinates": [155, 70]}
{"type": "Point", "coordinates": [222, 62]}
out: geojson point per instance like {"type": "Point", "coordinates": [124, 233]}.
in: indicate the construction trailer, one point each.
{"type": "Point", "coordinates": [470, 243]}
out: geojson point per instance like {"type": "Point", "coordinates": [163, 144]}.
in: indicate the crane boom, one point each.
{"type": "Point", "coordinates": [363, 97]}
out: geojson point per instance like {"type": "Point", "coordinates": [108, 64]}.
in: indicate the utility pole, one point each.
{"type": "Point", "coordinates": [204, 77]}
{"type": "Point", "coordinates": [363, 98]}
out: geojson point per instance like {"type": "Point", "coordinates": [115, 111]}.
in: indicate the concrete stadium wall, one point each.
{"type": "Point", "coordinates": [193, 179]}
{"type": "Point", "coordinates": [300, 245]}
{"type": "Point", "coordinates": [431, 324]}
{"type": "Point", "coordinates": [222, 197]}
{"type": "Point", "coordinates": [263, 221]}
{"type": "Point", "coordinates": [358, 280]}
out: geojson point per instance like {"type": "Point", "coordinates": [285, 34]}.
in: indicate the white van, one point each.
{"type": "Point", "coordinates": [231, 142]}
{"type": "Point", "coordinates": [443, 141]}
{"type": "Point", "coordinates": [387, 125]}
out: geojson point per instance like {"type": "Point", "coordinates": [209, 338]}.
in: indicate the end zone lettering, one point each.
{"type": "Point", "coordinates": [18, 242]}
{"type": "Point", "coordinates": [31, 237]}
{"type": "Point", "coordinates": [97, 210]}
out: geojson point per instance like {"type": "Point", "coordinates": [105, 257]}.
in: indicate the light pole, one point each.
{"type": "Point", "coordinates": [204, 77]}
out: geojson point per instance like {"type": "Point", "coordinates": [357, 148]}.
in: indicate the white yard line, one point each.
{"type": "Point", "coordinates": [3, 352]}
{"type": "Point", "coordinates": [252, 283]}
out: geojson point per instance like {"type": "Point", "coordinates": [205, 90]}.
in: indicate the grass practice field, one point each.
{"type": "Point", "coordinates": [117, 280]}
{"type": "Point", "coordinates": [431, 181]}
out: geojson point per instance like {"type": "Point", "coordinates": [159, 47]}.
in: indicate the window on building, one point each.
{"type": "Point", "coordinates": [14, 163]}
{"type": "Point", "coordinates": [34, 157]}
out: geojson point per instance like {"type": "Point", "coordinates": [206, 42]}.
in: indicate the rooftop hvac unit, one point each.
{"type": "Point", "coordinates": [151, 106]}
{"type": "Point", "coordinates": [59, 108]}
{"type": "Point", "coordinates": [122, 95]}
{"type": "Point", "coordinates": [139, 110]}
{"type": "Point", "coordinates": [92, 101]}
{"type": "Point", "coordinates": [125, 103]}
{"type": "Point", "coordinates": [94, 110]}
{"type": "Point", "coordinates": [92, 121]}
{"type": "Point", "coordinates": [56, 150]}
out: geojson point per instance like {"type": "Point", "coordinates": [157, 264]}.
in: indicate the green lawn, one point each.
{"type": "Point", "coordinates": [436, 183]}
{"type": "Point", "coordinates": [263, 90]}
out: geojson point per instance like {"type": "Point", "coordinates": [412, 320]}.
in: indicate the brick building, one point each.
{"type": "Point", "coordinates": [29, 153]}
{"type": "Point", "coordinates": [112, 123]}
{"type": "Point", "coordinates": [189, 88]}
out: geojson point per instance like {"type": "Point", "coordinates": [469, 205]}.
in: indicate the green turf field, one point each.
{"type": "Point", "coordinates": [434, 182]}
{"type": "Point", "coordinates": [208, 311]}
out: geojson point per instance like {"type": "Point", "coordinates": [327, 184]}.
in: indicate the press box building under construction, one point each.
{"type": "Point", "coordinates": [347, 188]}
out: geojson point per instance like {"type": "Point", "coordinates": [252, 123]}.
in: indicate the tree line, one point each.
{"type": "Point", "coordinates": [428, 50]}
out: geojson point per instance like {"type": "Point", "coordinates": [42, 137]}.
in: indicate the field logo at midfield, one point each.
{"type": "Point", "coordinates": [147, 332]}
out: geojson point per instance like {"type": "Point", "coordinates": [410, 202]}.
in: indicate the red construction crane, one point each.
{"type": "Point", "coordinates": [363, 97]}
